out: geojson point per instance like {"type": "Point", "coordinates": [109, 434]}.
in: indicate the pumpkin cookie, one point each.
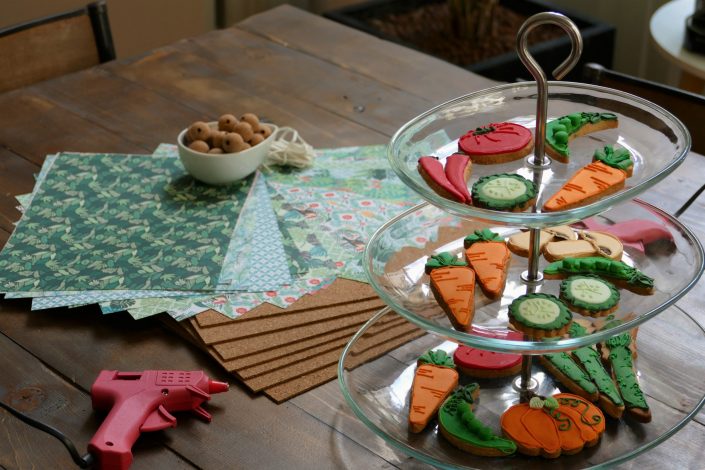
{"type": "Point", "coordinates": [434, 379]}
{"type": "Point", "coordinates": [562, 424]}
{"type": "Point", "coordinates": [453, 286]}
{"type": "Point", "coordinates": [460, 427]}
{"type": "Point", "coordinates": [489, 257]}
{"type": "Point", "coordinates": [598, 179]}
{"type": "Point", "coordinates": [564, 129]}
{"type": "Point", "coordinates": [540, 315]}
{"type": "Point", "coordinates": [616, 271]}
{"type": "Point", "coordinates": [499, 142]}
{"type": "Point", "coordinates": [504, 192]}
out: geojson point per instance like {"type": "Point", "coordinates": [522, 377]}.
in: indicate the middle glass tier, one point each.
{"type": "Point", "coordinates": [395, 258]}
{"type": "Point", "coordinates": [657, 141]}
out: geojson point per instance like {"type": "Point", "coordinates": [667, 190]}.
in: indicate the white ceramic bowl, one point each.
{"type": "Point", "coordinates": [224, 168]}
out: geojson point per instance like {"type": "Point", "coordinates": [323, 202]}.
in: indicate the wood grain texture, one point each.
{"type": "Point", "coordinates": [335, 85]}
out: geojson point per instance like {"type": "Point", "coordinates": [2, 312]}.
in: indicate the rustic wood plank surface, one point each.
{"type": "Point", "coordinates": [335, 85]}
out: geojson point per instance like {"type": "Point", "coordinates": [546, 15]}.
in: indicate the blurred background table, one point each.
{"type": "Point", "coordinates": [336, 86]}
{"type": "Point", "coordinates": [667, 28]}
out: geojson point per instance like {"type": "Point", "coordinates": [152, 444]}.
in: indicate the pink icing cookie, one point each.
{"type": "Point", "coordinates": [451, 181]}
{"type": "Point", "coordinates": [488, 364]}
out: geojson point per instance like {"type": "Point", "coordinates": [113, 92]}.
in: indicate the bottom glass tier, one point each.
{"type": "Point", "coordinates": [671, 367]}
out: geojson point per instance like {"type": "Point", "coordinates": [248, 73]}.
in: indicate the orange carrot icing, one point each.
{"type": "Point", "coordinates": [456, 287]}
{"type": "Point", "coordinates": [588, 182]}
{"type": "Point", "coordinates": [432, 385]}
{"type": "Point", "coordinates": [490, 261]}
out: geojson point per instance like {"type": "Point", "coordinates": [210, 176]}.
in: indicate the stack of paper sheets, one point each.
{"type": "Point", "coordinates": [136, 233]}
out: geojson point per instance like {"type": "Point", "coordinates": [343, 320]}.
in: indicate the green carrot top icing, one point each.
{"type": "Point", "coordinates": [484, 235]}
{"type": "Point", "coordinates": [620, 158]}
{"type": "Point", "coordinates": [443, 260]}
{"type": "Point", "coordinates": [602, 267]}
{"type": "Point", "coordinates": [437, 358]}
{"type": "Point", "coordinates": [576, 330]}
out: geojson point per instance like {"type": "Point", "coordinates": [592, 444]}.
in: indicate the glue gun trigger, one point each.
{"type": "Point", "coordinates": [159, 419]}
{"type": "Point", "coordinates": [203, 414]}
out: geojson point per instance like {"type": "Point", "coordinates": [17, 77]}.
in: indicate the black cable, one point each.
{"type": "Point", "coordinates": [84, 462]}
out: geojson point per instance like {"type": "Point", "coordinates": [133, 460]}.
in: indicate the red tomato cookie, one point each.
{"type": "Point", "coordinates": [498, 142]}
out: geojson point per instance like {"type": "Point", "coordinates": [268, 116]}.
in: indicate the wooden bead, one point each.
{"type": "Point", "coordinates": [198, 131]}
{"type": "Point", "coordinates": [232, 142]}
{"type": "Point", "coordinates": [265, 130]}
{"type": "Point", "coordinates": [245, 130]}
{"type": "Point", "coordinates": [216, 151]}
{"type": "Point", "coordinates": [217, 138]}
{"type": "Point", "coordinates": [227, 123]}
{"type": "Point", "coordinates": [199, 146]}
{"type": "Point", "coordinates": [256, 139]}
{"type": "Point", "coordinates": [251, 119]}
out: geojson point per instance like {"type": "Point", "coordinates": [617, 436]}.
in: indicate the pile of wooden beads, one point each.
{"type": "Point", "coordinates": [232, 135]}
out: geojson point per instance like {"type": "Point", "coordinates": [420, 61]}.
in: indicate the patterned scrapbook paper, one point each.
{"type": "Point", "coordinates": [107, 221]}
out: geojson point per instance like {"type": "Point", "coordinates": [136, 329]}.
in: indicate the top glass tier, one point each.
{"type": "Point", "coordinates": [657, 140]}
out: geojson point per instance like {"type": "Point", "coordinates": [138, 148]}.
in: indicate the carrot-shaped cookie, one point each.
{"type": "Point", "coordinates": [618, 272]}
{"type": "Point", "coordinates": [460, 427]}
{"type": "Point", "coordinates": [617, 351]}
{"type": "Point", "coordinates": [451, 181]}
{"type": "Point", "coordinates": [489, 257]}
{"type": "Point", "coordinates": [453, 286]}
{"type": "Point", "coordinates": [605, 175]}
{"type": "Point", "coordinates": [434, 379]}
{"type": "Point", "coordinates": [564, 129]}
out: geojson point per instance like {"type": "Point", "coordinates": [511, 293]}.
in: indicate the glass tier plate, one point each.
{"type": "Point", "coordinates": [671, 367]}
{"type": "Point", "coordinates": [395, 256]}
{"type": "Point", "coordinates": [656, 138]}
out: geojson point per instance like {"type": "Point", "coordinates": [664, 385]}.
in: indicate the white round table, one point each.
{"type": "Point", "coordinates": [667, 28]}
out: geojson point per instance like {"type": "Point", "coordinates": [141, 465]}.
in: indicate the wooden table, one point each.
{"type": "Point", "coordinates": [335, 85]}
{"type": "Point", "coordinates": [667, 26]}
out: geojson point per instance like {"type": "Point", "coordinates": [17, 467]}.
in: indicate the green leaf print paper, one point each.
{"type": "Point", "coordinates": [130, 222]}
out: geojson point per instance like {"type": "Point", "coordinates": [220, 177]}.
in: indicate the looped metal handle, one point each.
{"type": "Point", "coordinates": [541, 83]}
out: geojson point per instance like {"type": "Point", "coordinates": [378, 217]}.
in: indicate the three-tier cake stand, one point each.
{"type": "Point", "coordinates": [671, 347]}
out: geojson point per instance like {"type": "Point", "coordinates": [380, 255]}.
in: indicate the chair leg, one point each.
{"type": "Point", "coordinates": [690, 201]}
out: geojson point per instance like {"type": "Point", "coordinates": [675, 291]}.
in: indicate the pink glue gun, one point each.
{"type": "Point", "coordinates": [142, 402]}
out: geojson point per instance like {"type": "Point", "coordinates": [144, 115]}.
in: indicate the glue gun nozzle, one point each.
{"type": "Point", "coordinates": [217, 387]}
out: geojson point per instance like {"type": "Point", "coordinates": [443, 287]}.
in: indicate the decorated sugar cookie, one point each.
{"type": "Point", "coordinates": [618, 272]}
{"type": "Point", "coordinates": [589, 244]}
{"type": "Point", "coordinates": [540, 315]}
{"type": "Point", "coordinates": [434, 379]}
{"type": "Point", "coordinates": [453, 286]}
{"type": "Point", "coordinates": [488, 364]}
{"type": "Point", "coordinates": [458, 170]}
{"type": "Point", "coordinates": [562, 424]}
{"type": "Point", "coordinates": [589, 295]}
{"type": "Point", "coordinates": [498, 142]}
{"type": "Point", "coordinates": [460, 427]}
{"type": "Point", "coordinates": [561, 131]}
{"type": "Point", "coordinates": [563, 367]}
{"type": "Point", "coordinates": [504, 192]}
{"type": "Point", "coordinates": [489, 257]}
{"type": "Point", "coordinates": [519, 243]}
{"type": "Point", "coordinates": [432, 171]}
{"type": "Point", "coordinates": [603, 176]}
{"type": "Point", "coordinates": [609, 400]}
{"type": "Point", "coordinates": [618, 352]}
